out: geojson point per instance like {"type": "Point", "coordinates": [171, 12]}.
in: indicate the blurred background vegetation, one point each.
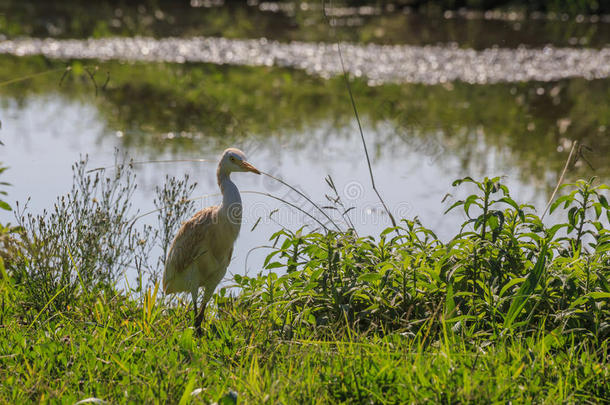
{"type": "Point", "coordinates": [411, 22]}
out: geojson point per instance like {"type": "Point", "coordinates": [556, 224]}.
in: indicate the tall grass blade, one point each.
{"type": "Point", "coordinates": [526, 289]}
{"type": "Point", "coordinates": [449, 301]}
{"type": "Point", "coordinates": [186, 395]}
{"type": "Point", "coordinates": [46, 306]}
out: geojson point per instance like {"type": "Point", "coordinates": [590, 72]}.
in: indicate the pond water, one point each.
{"type": "Point", "coordinates": [298, 126]}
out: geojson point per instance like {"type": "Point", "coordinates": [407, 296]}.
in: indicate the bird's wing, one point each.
{"type": "Point", "coordinates": [189, 244]}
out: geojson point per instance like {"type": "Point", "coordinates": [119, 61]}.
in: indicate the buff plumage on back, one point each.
{"type": "Point", "coordinates": [202, 249]}
{"type": "Point", "coordinates": [189, 244]}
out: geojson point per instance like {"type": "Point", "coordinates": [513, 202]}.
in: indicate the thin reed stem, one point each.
{"type": "Point", "coordinates": [304, 196]}
{"type": "Point", "coordinates": [152, 161]}
{"type": "Point", "coordinates": [243, 192]}
{"type": "Point", "coordinates": [563, 173]}
{"type": "Point", "coordinates": [293, 206]}
{"type": "Point", "coordinates": [209, 195]}
{"type": "Point", "coordinates": [366, 152]}
{"type": "Point", "coordinates": [181, 202]}
{"type": "Point", "coordinates": [31, 76]}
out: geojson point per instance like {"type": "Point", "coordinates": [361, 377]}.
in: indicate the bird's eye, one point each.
{"type": "Point", "coordinates": [232, 159]}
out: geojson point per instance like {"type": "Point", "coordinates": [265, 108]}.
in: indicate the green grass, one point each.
{"type": "Point", "coordinates": [111, 348]}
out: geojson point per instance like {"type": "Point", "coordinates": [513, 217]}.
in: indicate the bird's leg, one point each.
{"type": "Point", "coordinates": [197, 325]}
{"type": "Point", "coordinates": [200, 317]}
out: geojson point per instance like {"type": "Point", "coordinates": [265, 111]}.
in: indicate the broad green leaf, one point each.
{"type": "Point", "coordinates": [369, 277]}
{"type": "Point", "coordinates": [511, 283]}
{"type": "Point", "coordinates": [596, 295]}
{"type": "Point", "coordinates": [455, 204]}
{"type": "Point", "coordinates": [509, 201]}
{"type": "Point", "coordinates": [463, 180]}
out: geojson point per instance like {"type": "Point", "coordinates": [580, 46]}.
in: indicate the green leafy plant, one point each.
{"type": "Point", "coordinates": [504, 273]}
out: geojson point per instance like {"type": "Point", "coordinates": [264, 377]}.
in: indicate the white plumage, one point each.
{"type": "Point", "coordinates": [202, 248]}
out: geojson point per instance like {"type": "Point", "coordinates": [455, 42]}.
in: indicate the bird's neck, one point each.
{"type": "Point", "coordinates": [231, 200]}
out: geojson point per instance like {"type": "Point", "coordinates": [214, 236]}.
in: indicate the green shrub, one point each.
{"type": "Point", "coordinates": [91, 237]}
{"type": "Point", "coordinates": [504, 273]}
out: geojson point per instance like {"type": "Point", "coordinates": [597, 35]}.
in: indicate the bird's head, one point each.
{"type": "Point", "coordinates": [234, 160]}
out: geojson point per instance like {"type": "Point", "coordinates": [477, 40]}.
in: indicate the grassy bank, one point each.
{"type": "Point", "coordinates": [508, 310]}
{"type": "Point", "coordinates": [112, 347]}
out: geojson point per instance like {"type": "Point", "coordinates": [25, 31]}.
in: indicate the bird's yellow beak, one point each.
{"type": "Point", "coordinates": [250, 168]}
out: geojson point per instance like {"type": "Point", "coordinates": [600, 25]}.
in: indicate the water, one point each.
{"type": "Point", "coordinates": [300, 126]}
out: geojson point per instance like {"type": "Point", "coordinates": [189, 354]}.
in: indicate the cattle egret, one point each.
{"type": "Point", "coordinates": [202, 248]}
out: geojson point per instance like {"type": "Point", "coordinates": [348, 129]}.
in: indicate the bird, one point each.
{"type": "Point", "coordinates": [201, 250]}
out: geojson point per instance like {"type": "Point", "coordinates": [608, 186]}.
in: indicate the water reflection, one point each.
{"type": "Point", "coordinates": [164, 108]}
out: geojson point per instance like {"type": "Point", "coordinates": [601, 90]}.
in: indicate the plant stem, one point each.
{"type": "Point", "coordinates": [563, 173]}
